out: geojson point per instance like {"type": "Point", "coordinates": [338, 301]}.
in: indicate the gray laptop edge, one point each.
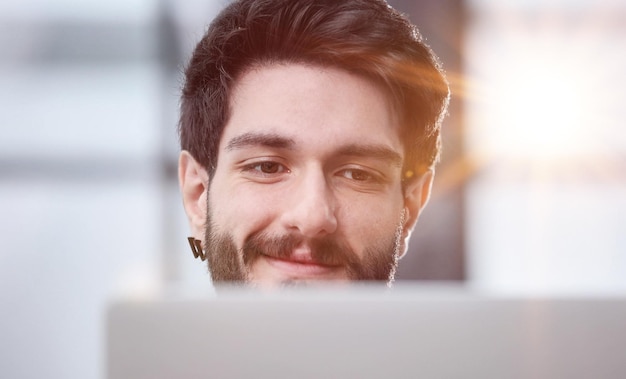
{"type": "Point", "coordinates": [367, 333]}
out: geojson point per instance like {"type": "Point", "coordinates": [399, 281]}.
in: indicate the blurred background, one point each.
{"type": "Point", "coordinates": [530, 197]}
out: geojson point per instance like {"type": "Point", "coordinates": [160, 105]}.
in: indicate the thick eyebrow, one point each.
{"type": "Point", "coordinates": [380, 152]}
{"type": "Point", "coordinates": [260, 139]}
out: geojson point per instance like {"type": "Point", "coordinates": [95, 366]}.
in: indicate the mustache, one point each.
{"type": "Point", "coordinates": [325, 251]}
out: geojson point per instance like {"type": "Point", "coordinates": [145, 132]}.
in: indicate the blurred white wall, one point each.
{"type": "Point", "coordinates": [88, 211]}
{"type": "Point", "coordinates": [544, 99]}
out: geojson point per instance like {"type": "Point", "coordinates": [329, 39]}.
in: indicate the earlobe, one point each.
{"type": "Point", "coordinates": [416, 195]}
{"type": "Point", "coordinates": [193, 181]}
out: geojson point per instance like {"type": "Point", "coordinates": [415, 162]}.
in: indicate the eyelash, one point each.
{"type": "Point", "coordinates": [257, 168]}
{"type": "Point", "coordinates": [371, 177]}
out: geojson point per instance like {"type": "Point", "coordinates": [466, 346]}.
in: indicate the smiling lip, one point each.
{"type": "Point", "coordinates": [300, 266]}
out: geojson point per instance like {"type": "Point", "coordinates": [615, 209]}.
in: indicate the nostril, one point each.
{"type": "Point", "coordinates": [313, 223]}
{"type": "Point", "coordinates": [311, 218]}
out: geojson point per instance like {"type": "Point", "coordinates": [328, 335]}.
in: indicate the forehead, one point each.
{"type": "Point", "coordinates": [311, 104]}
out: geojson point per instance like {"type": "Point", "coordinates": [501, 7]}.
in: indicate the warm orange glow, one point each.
{"type": "Point", "coordinates": [545, 93]}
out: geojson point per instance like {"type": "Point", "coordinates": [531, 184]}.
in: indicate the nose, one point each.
{"type": "Point", "coordinates": [311, 210]}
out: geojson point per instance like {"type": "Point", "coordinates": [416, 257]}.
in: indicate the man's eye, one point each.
{"type": "Point", "coordinates": [266, 168]}
{"type": "Point", "coordinates": [358, 175]}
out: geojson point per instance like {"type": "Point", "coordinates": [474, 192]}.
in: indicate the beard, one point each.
{"type": "Point", "coordinates": [228, 264]}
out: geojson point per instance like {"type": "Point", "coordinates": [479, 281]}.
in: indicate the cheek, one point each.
{"type": "Point", "coordinates": [239, 212]}
{"type": "Point", "coordinates": [371, 221]}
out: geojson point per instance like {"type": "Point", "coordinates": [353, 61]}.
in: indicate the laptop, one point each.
{"type": "Point", "coordinates": [365, 332]}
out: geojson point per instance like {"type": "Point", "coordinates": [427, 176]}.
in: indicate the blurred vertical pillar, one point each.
{"type": "Point", "coordinates": [170, 57]}
{"type": "Point", "coordinates": [436, 250]}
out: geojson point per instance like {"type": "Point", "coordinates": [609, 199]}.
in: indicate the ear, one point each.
{"type": "Point", "coordinates": [416, 195]}
{"type": "Point", "coordinates": [194, 181]}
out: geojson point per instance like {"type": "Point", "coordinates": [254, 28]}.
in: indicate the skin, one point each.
{"type": "Point", "coordinates": [312, 153]}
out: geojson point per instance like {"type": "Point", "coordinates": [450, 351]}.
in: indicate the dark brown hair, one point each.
{"type": "Point", "coordinates": [365, 37]}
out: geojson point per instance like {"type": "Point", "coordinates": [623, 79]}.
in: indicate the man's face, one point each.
{"type": "Point", "coordinates": [308, 180]}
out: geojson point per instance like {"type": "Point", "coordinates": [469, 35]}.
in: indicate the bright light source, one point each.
{"type": "Point", "coordinates": [540, 93]}
{"type": "Point", "coordinates": [541, 108]}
